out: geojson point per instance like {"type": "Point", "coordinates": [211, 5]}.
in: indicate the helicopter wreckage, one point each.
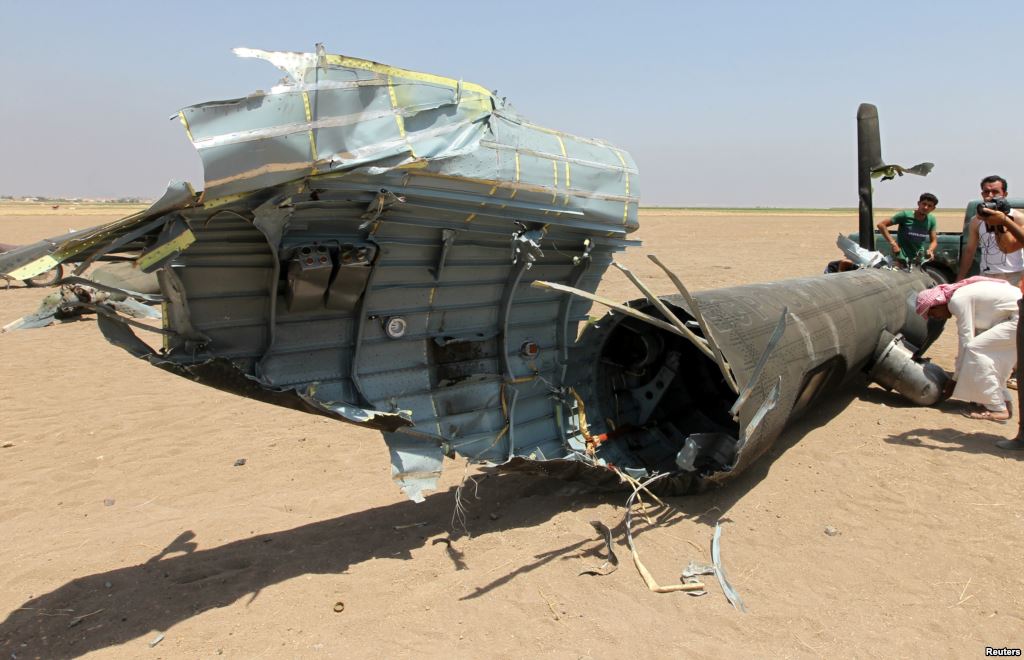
{"type": "Point", "coordinates": [402, 251]}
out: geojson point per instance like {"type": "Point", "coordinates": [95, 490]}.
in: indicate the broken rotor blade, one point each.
{"type": "Point", "coordinates": [716, 351]}
{"type": "Point", "coordinates": [665, 311]}
{"type": "Point", "coordinates": [921, 169]}
{"type": "Point", "coordinates": [780, 328]}
{"type": "Point", "coordinates": [623, 309]}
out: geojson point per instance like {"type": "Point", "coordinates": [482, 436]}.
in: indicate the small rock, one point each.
{"type": "Point", "coordinates": [240, 462]}
{"type": "Point", "coordinates": [107, 585]}
{"type": "Point", "coordinates": [108, 502]}
{"type": "Point", "coordinates": [831, 531]}
{"type": "Point", "coordinates": [7, 445]}
{"type": "Point", "coordinates": [494, 516]}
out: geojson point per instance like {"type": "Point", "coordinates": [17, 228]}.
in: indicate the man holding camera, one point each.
{"type": "Point", "coordinates": [1001, 255]}
{"type": "Point", "coordinates": [1017, 233]}
{"type": "Point", "coordinates": [916, 238]}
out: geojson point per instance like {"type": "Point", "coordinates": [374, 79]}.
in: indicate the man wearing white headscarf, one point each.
{"type": "Point", "coordinates": [986, 319]}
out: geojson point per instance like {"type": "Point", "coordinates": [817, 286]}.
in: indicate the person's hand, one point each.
{"type": "Point", "coordinates": [895, 247]}
{"type": "Point", "coordinates": [993, 217]}
{"type": "Point", "coordinates": [929, 254]}
{"type": "Point", "coordinates": [997, 218]}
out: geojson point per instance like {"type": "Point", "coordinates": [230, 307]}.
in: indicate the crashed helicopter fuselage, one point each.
{"type": "Point", "coordinates": [396, 250]}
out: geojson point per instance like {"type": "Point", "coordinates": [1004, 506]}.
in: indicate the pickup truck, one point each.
{"type": "Point", "coordinates": [946, 263]}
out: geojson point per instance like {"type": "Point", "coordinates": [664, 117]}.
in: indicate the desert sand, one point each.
{"type": "Point", "coordinates": [124, 516]}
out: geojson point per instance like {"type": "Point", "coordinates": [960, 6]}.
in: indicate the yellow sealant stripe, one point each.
{"type": "Point", "coordinates": [490, 144]}
{"type": "Point", "coordinates": [554, 191]}
{"type": "Point", "coordinates": [305, 103]}
{"type": "Point", "coordinates": [226, 199]}
{"type": "Point", "coordinates": [490, 193]}
{"type": "Point", "coordinates": [399, 119]}
{"type": "Point", "coordinates": [178, 244]}
{"type": "Point", "coordinates": [33, 268]}
{"type": "Point", "coordinates": [312, 138]}
{"type": "Point", "coordinates": [70, 248]}
{"type": "Point", "coordinates": [384, 69]}
{"type": "Point", "coordinates": [516, 188]}
{"type": "Point", "coordinates": [433, 402]}
{"type": "Point", "coordinates": [568, 181]}
{"type": "Point", "coordinates": [312, 151]}
{"type": "Point", "coordinates": [184, 122]}
{"type": "Point", "coordinates": [394, 106]}
{"type": "Point", "coordinates": [625, 209]}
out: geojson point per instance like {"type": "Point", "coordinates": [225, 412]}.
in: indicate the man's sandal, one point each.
{"type": "Point", "coordinates": [988, 415]}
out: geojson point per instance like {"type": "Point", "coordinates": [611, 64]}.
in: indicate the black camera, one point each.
{"type": "Point", "coordinates": [996, 204]}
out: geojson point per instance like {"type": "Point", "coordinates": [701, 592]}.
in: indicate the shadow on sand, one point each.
{"type": "Point", "coordinates": [979, 442]}
{"type": "Point", "coordinates": [182, 581]}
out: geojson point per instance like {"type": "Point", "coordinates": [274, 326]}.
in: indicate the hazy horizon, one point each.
{"type": "Point", "coordinates": [740, 104]}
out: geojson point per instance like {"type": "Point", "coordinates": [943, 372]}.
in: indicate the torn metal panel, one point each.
{"type": "Point", "coordinates": [77, 296]}
{"type": "Point", "coordinates": [225, 375]}
{"type": "Point", "coordinates": [334, 113]}
{"type": "Point", "coordinates": [415, 466]}
{"type": "Point", "coordinates": [31, 260]}
{"type": "Point", "coordinates": [364, 249]}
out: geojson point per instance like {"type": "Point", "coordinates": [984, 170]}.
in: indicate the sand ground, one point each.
{"type": "Point", "coordinates": [123, 516]}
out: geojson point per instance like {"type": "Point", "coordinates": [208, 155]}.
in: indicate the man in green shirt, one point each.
{"type": "Point", "coordinates": [916, 239]}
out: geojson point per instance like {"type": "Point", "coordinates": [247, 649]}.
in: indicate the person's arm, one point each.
{"type": "Point", "coordinates": [933, 238]}
{"type": "Point", "coordinates": [1010, 240]}
{"type": "Point", "coordinates": [961, 305]}
{"type": "Point", "coordinates": [883, 227]}
{"type": "Point", "coordinates": [967, 255]}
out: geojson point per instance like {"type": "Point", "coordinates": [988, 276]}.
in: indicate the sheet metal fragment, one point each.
{"type": "Point", "coordinates": [618, 307]}
{"type": "Point", "coordinates": [415, 464]}
{"type": "Point", "coordinates": [716, 558]}
{"type": "Point", "coordinates": [691, 573]}
{"type": "Point", "coordinates": [31, 260]}
{"type": "Point", "coordinates": [716, 350]}
{"type": "Point", "coordinates": [611, 561]}
{"type": "Point", "coordinates": [699, 342]}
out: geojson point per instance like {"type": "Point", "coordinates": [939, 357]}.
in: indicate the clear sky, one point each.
{"type": "Point", "coordinates": [721, 103]}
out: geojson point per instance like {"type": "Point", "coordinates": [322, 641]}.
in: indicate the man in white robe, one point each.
{"type": "Point", "coordinates": [986, 319]}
